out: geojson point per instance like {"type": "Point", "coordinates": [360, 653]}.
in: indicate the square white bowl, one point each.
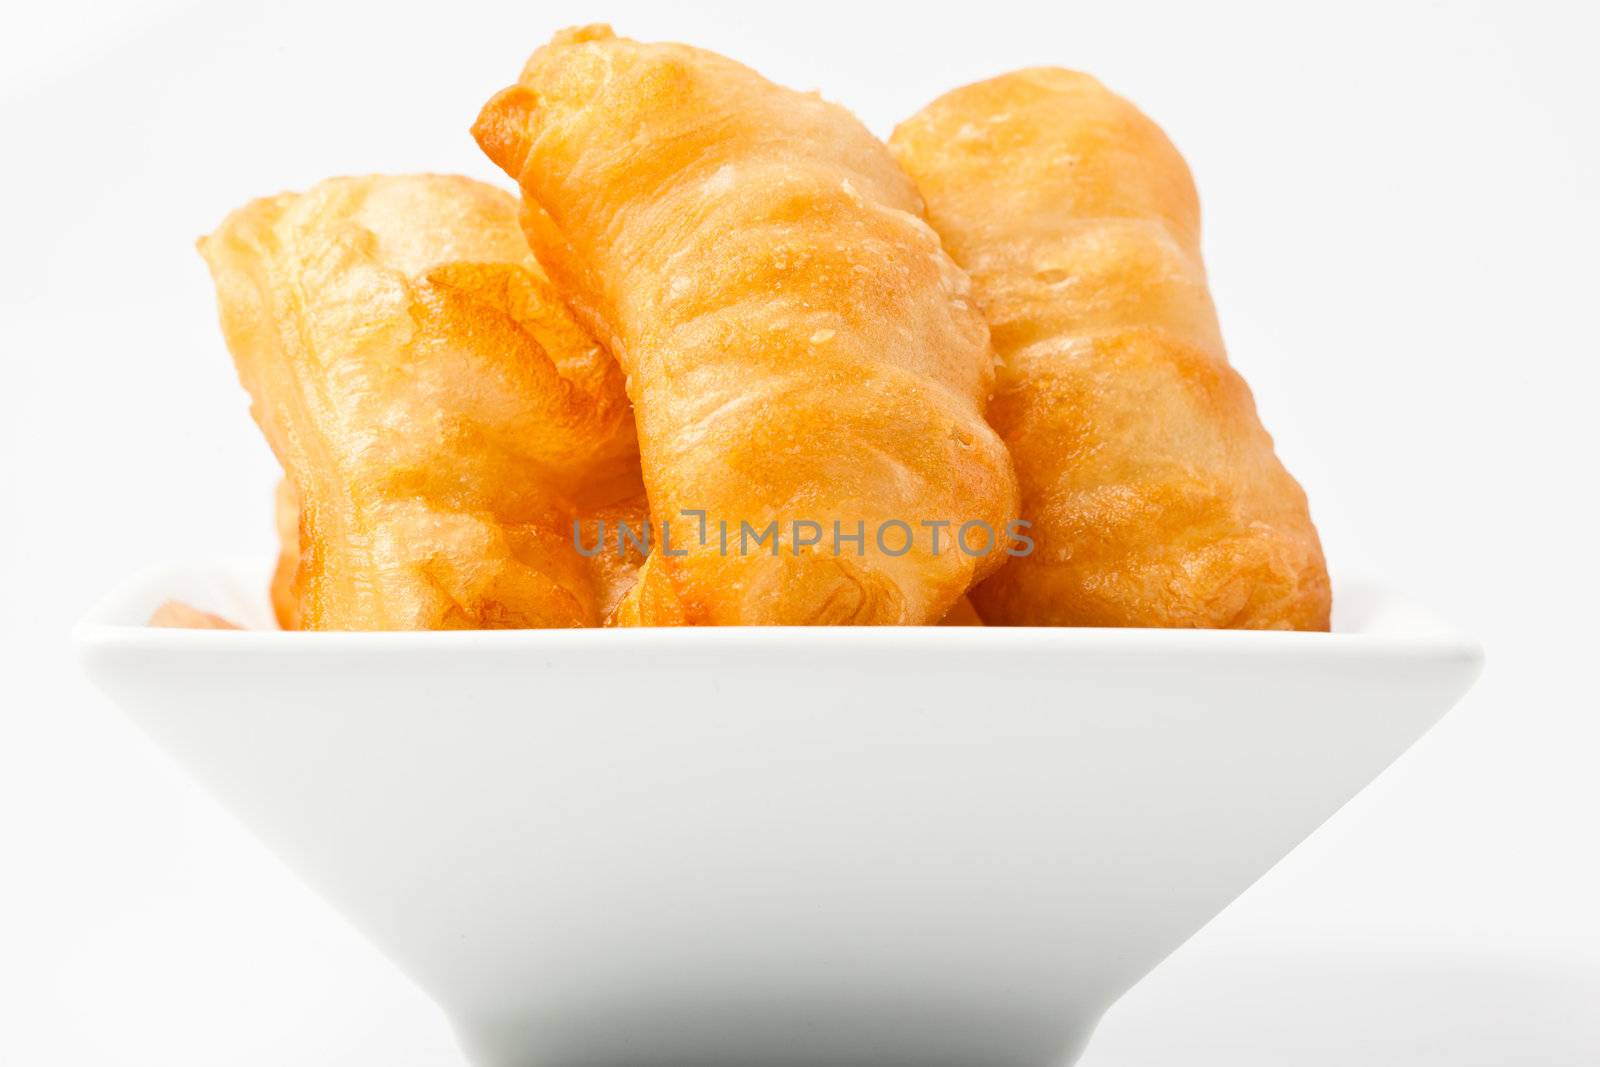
{"type": "Point", "coordinates": [931, 847]}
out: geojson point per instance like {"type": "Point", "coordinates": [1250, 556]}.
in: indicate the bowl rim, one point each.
{"type": "Point", "coordinates": [1388, 625]}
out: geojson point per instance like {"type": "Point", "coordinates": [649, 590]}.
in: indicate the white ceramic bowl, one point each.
{"type": "Point", "coordinates": [913, 847]}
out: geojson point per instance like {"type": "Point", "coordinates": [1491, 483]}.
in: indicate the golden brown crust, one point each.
{"type": "Point", "coordinates": [798, 345]}
{"type": "Point", "coordinates": [963, 614]}
{"type": "Point", "coordinates": [1154, 493]}
{"type": "Point", "coordinates": [285, 593]}
{"type": "Point", "coordinates": [617, 565]}
{"type": "Point", "coordinates": [440, 418]}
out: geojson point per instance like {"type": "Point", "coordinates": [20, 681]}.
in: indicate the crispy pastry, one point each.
{"type": "Point", "coordinates": [963, 614]}
{"type": "Point", "coordinates": [799, 347]}
{"type": "Point", "coordinates": [617, 564]}
{"type": "Point", "coordinates": [285, 595]}
{"type": "Point", "coordinates": [1153, 492]}
{"type": "Point", "coordinates": [615, 567]}
{"type": "Point", "coordinates": [442, 420]}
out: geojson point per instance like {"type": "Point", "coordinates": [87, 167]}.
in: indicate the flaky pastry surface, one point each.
{"type": "Point", "coordinates": [441, 418]}
{"type": "Point", "coordinates": [286, 520]}
{"type": "Point", "coordinates": [1154, 493]}
{"type": "Point", "coordinates": [797, 343]}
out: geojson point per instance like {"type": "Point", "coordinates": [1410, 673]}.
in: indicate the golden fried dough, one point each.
{"type": "Point", "coordinates": [799, 347]}
{"type": "Point", "coordinates": [285, 594]}
{"type": "Point", "coordinates": [441, 418]}
{"type": "Point", "coordinates": [963, 614]}
{"type": "Point", "coordinates": [618, 563]}
{"type": "Point", "coordinates": [1153, 491]}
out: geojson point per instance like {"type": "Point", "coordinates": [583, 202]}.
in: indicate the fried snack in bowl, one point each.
{"type": "Point", "coordinates": [285, 593]}
{"type": "Point", "coordinates": [442, 420]}
{"type": "Point", "coordinates": [963, 614]}
{"type": "Point", "coordinates": [617, 559]}
{"type": "Point", "coordinates": [1153, 491]}
{"type": "Point", "coordinates": [798, 345]}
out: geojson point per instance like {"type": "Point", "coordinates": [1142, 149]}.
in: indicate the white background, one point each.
{"type": "Point", "coordinates": [1402, 225]}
